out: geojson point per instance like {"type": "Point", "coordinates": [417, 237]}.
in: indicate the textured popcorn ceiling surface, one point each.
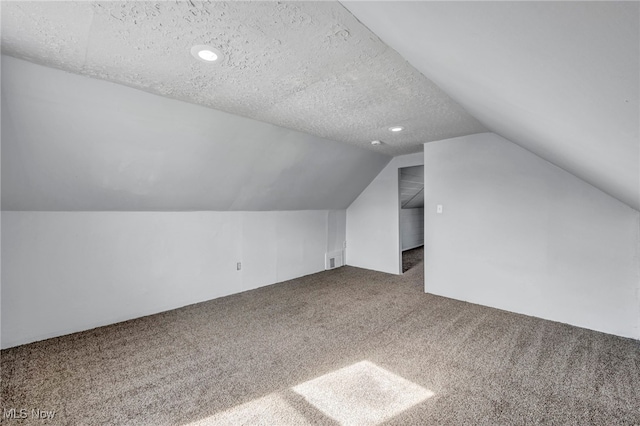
{"type": "Point", "coordinates": [308, 66]}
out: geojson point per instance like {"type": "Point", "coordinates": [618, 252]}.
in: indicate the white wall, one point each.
{"type": "Point", "coordinates": [521, 234]}
{"type": "Point", "coordinates": [411, 228]}
{"type": "Point", "coordinates": [70, 271]}
{"type": "Point", "coordinates": [373, 223]}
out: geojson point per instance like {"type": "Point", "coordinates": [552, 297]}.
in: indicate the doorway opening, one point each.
{"type": "Point", "coordinates": [411, 195]}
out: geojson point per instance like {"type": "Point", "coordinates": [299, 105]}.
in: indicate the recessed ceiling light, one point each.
{"type": "Point", "coordinates": [376, 142]}
{"type": "Point", "coordinates": [206, 53]}
{"type": "Point", "coordinates": [396, 128]}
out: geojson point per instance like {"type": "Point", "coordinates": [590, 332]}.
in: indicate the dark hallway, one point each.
{"type": "Point", "coordinates": [411, 258]}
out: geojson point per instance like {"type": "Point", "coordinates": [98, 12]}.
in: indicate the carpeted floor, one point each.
{"type": "Point", "coordinates": [412, 258]}
{"type": "Point", "coordinates": [347, 345]}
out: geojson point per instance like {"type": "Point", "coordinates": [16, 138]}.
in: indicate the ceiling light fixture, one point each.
{"type": "Point", "coordinates": [396, 128]}
{"type": "Point", "coordinates": [206, 53]}
{"type": "Point", "coordinates": [376, 142]}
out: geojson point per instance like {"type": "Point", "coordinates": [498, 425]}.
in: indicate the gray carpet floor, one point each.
{"type": "Point", "coordinates": [371, 343]}
{"type": "Point", "coordinates": [411, 258]}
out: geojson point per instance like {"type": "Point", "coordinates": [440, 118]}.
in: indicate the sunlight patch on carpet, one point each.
{"type": "Point", "coordinates": [362, 394]}
{"type": "Point", "coordinates": [269, 410]}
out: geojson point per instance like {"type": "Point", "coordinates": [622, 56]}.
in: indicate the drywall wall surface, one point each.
{"type": "Point", "coordinates": [299, 252]}
{"type": "Point", "coordinates": [373, 222]}
{"type": "Point", "coordinates": [411, 228]}
{"type": "Point", "coordinates": [337, 230]}
{"type": "Point", "coordinates": [70, 271]}
{"type": "Point", "coordinates": [520, 234]}
{"type": "Point", "coordinates": [73, 143]}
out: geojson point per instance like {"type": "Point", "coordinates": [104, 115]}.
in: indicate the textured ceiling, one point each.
{"type": "Point", "coordinates": [561, 79]}
{"type": "Point", "coordinates": [308, 66]}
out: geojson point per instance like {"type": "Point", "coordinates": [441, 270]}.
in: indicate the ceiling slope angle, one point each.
{"type": "Point", "coordinates": [412, 187]}
{"type": "Point", "coordinates": [561, 79]}
{"type": "Point", "coordinates": [74, 143]}
{"type": "Point", "coordinates": [307, 66]}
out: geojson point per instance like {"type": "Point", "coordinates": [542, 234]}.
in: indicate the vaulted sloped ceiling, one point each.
{"type": "Point", "coordinates": [558, 78]}
{"type": "Point", "coordinates": [307, 66]}
{"type": "Point", "coordinates": [561, 79]}
{"type": "Point", "coordinates": [284, 122]}
{"type": "Point", "coordinates": [71, 142]}
{"type": "Point", "coordinates": [412, 187]}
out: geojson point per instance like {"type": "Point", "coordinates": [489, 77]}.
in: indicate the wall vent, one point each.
{"type": "Point", "coordinates": [333, 259]}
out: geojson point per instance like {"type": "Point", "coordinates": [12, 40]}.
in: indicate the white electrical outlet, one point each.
{"type": "Point", "coordinates": [238, 266]}
{"type": "Point", "coordinates": [344, 244]}
{"type": "Point", "coordinates": [439, 209]}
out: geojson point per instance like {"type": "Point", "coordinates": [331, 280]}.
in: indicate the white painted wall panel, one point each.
{"type": "Point", "coordinates": [521, 234]}
{"type": "Point", "coordinates": [70, 271]}
{"type": "Point", "coordinates": [299, 240]}
{"type": "Point", "coordinates": [337, 229]}
{"type": "Point", "coordinates": [259, 249]}
{"type": "Point", "coordinates": [373, 220]}
{"type": "Point", "coordinates": [411, 228]}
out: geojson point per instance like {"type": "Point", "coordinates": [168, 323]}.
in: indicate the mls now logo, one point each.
{"type": "Point", "coordinates": [23, 413]}
{"type": "Point", "coordinates": [14, 413]}
{"type": "Point", "coordinates": [36, 413]}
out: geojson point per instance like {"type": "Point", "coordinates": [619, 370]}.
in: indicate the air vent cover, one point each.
{"type": "Point", "coordinates": [334, 259]}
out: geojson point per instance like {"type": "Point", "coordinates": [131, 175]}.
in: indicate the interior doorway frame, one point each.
{"type": "Point", "coordinates": [399, 209]}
